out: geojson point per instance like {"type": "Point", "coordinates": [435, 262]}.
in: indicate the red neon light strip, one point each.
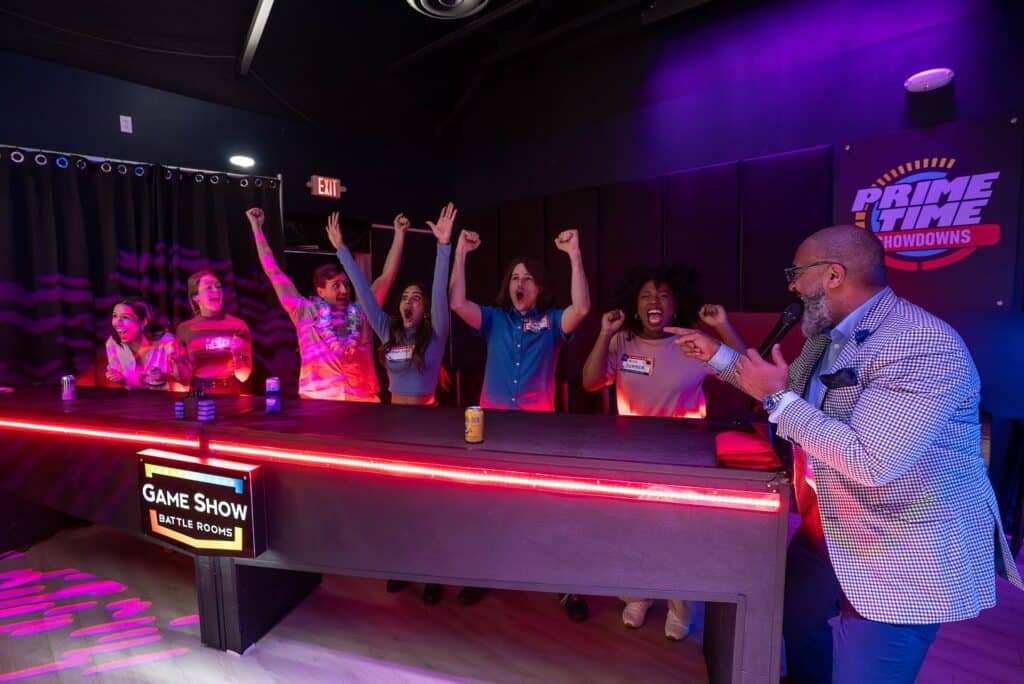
{"type": "Point", "coordinates": [99, 434]}
{"type": "Point", "coordinates": [639, 491]}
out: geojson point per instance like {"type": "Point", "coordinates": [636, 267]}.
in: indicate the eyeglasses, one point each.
{"type": "Point", "coordinates": [793, 272]}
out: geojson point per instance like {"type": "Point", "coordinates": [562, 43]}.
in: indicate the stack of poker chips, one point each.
{"type": "Point", "coordinates": [206, 410]}
{"type": "Point", "coordinates": [179, 409]}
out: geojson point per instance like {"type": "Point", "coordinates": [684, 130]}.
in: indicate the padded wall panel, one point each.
{"type": "Point", "coordinates": [783, 199]}
{"type": "Point", "coordinates": [521, 232]}
{"type": "Point", "coordinates": [482, 274]}
{"type": "Point", "coordinates": [575, 209]}
{"type": "Point", "coordinates": [702, 228]}
{"type": "Point", "coordinates": [630, 235]}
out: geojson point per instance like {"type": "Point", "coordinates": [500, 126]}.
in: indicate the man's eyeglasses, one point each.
{"type": "Point", "coordinates": [793, 272]}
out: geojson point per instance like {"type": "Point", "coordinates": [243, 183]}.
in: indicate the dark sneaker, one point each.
{"type": "Point", "coordinates": [575, 607]}
{"type": "Point", "coordinates": [432, 593]}
{"type": "Point", "coordinates": [395, 586]}
{"type": "Point", "coordinates": [471, 595]}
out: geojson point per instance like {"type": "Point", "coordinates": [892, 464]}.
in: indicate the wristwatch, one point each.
{"type": "Point", "coordinates": [771, 402]}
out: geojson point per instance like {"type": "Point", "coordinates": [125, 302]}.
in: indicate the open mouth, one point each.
{"type": "Point", "coordinates": [407, 314]}
{"type": "Point", "coordinates": [520, 295]}
{"type": "Point", "coordinates": [655, 317]}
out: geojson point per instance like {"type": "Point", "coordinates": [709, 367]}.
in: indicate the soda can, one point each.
{"type": "Point", "coordinates": [67, 387]}
{"type": "Point", "coordinates": [273, 395]}
{"type": "Point", "coordinates": [474, 425]}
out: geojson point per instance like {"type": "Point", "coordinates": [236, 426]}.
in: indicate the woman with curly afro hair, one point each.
{"type": "Point", "coordinates": [652, 377]}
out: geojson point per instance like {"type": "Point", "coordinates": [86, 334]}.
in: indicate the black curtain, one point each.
{"type": "Point", "coordinates": [76, 235]}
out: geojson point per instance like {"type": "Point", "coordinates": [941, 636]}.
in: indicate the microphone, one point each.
{"type": "Point", "coordinates": [790, 317]}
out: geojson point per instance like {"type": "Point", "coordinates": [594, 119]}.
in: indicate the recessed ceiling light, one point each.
{"type": "Point", "coordinates": [240, 160]}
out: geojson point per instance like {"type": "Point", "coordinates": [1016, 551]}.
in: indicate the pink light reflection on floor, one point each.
{"type": "Point", "coordinates": [115, 626]}
{"type": "Point", "coordinates": [23, 591]}
{"type": "Point", "coordinates": [24, 600]}
{"type": "Point", "coordinates": [134, 660]}
{"type": "Point", "coordinates": [127, 629]}
{"type": "Point", "coordinates": [128, 607]}
{"type": "Point", "coordinates": [71, 608]}
{"type": "Point", "coordinates": [27, 608]}
{"type": "Point", "coordinates": [17, 578]}
{"type": "Point", "coordinates": [106, 648]}
{"type": "Point", "coordinates": [29, 627]}
{"type": "Point", "coordinates": [98, 588]}
{"type": "Point", "coordinates": [11, 555]}
{"type": "Point", "coordinates": [50, 574]}
{"type": "Point", "coordinates": [128, 634]}
{"type": "Point", "coordinates": [42, 669]}
{"type": "Point", "coordinates": [185, 620]}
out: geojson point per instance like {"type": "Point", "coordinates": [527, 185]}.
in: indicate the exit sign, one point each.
{"type": "Point", "coordinates": [323, 186]}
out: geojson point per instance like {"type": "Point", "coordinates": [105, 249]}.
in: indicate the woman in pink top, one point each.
{"type": "Point", "coordinates": [141, 354]}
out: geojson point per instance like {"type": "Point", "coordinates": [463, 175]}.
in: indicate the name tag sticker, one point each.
{"type": "Point", "coordinates": [218, 343]}
{"type": "Point", "coordinates": [402, 353]}
{"type": "Point", "coordinates": [536, 324]}
{"type": "Point", "coordinates": [641, 365]}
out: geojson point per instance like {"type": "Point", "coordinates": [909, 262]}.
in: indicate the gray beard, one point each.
{"type": "Point", "coordinates": [817, 317]}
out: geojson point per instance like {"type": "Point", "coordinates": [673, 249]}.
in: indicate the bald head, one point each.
{"type": "Point", "coordinates": [857, 249]}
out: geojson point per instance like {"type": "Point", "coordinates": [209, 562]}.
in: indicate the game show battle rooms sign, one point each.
{"type": "Point", "coordinates": [945, 203]}
{"type": "Point", "coordinates": [209, 507]}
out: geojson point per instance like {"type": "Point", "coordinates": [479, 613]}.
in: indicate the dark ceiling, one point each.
{"type": "Point", "coordinates": [354, 65]}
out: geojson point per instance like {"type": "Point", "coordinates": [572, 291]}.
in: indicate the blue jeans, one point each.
{"type": "Point", "coordinates": [856, 650]}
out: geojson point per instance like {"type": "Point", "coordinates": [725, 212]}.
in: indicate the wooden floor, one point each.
{"type": "Point", "coordinates": [350, 630]}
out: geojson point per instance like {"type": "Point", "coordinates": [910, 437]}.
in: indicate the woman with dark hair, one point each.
{"type": "Point", "coordinates": [651, 376]}
{"type": "Point", "coordinates": [218, 346]}
{"type": "Point", "coordinates": [141, 354]}
{"type": "Point", "coordinates": [335, 342]}
{"type": "Point", "coordinates": [414, 340]}
{"type": "Point", "coordinates": [524, 335]}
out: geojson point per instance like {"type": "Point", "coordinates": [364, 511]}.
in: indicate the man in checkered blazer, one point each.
{"type": "Point", "coordinates": [900, 528]}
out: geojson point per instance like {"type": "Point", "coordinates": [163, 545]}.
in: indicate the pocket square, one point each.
{"type": "Point", "coordinates": [861, 335]}
{"type": "Point", "coordinates": [844, 377]}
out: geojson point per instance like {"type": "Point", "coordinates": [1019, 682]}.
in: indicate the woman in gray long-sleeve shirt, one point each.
{"type": "Point", "coordinates": [413, 342]}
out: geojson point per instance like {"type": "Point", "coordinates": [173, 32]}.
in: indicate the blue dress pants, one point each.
{"type": "Point", "coordinates": [853, 651]}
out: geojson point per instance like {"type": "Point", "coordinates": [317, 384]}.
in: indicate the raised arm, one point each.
{"type": "Point", "coordinates": [568, 241]}
{"type": "Point", "coordinates": [595, 369]}
{"type": "Point", "coordinates": [182, 364]}
{"type": "Point", "coordinates": [382, 285]}
{"type": "Point", "coordinates": [241, 347]}
{"type": "Point", "coordinates": [374, 313]}
{"type": "Point", "coordinates": [439, 317]}
{"type": "Point", "coordinates": [715, 317]}
{"type": "Point", "coordinates": [466, 310]}
{"type": "Point", "coordinates": [284, 288]}
{"type": "Point", "coordinates": [114, 373]}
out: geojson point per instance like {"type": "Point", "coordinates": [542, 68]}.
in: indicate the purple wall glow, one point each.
{"type": "Point", "coordinates": [724, 83]}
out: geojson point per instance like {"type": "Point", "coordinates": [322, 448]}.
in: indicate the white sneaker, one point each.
{"type": "Point", "coordinates": [674, 628]}
{"type": "Point", "coordinates": [635, 612]}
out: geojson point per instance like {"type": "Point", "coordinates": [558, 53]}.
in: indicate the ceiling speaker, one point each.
{"type": "Point", "coordinates": [448, 9]}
